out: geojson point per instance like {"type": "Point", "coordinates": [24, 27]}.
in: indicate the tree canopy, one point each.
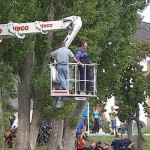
{"type": "Point", "coordinates": [108, 27]}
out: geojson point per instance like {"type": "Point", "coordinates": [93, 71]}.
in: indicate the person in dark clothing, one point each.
{"type": "Point", "coordinates": [98, 146]}
{"type": "Point", "coordinates": [85, 74]}
{"type": "Point", "coordinates": [126, 143]}
{"type": "Point", "coordinates": [96, 118]}
{"type": "Point", "coordinates": [116, 144]}
{"type": "Point", "coordinates": [92, 146]}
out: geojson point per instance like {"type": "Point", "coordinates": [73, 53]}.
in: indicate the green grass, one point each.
{"type": "Point", "coordinates": [146, 130]}
{"type": "Point", "coordinates": [109, 139]}
{"type": "Point", "coordinates": [105, 139]}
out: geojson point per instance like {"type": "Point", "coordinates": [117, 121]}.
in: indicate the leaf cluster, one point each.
{"type": "Point", "coordinates": [135, 85]}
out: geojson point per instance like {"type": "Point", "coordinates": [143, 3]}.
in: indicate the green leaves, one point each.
{"type": "Point", "coordinates": [135, 85]}
{"type": "Point", "coordinates": [8, 82]}
{"type": "Point", "coordinates": [108, 27]}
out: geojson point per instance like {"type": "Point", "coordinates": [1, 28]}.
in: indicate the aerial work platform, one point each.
{"type": "Point", "coordinates": [74, 81]}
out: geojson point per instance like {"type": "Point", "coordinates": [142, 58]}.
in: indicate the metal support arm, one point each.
{"type": "Point", "coordinates": [72, 24]}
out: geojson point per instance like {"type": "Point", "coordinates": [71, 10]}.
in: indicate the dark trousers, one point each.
{"type": "Point", "coordinates": [96, 125]}
{"type": "Point", "coordinates": [85, 75]}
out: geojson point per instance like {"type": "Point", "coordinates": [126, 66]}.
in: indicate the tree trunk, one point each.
{"type": "Point", "coordinates": [34, 128]}
{"type": "Point", "coordinates": [36, 112]}
{"type": "Point", "coordinates": [23, 134]}
{"type": "Point", "coordinates": [140, 136]}
{"type": "Point", "coordinates": [129, 128]}
{"type": "Point", "coordinates": [64, 134]}
{"type": "Point", "coordinates": [1, 124]}
{"type": "Point", "coordinates": [69, 135]}
{"type": "Point", "coordinates": [55, 142]}
{"type": "Point", "coordinates": [68, 141]}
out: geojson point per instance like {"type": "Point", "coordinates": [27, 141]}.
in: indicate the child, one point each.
{"type": "Point", "coordinates": [80, 143]}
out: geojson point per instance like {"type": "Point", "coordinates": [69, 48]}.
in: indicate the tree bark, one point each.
{"type": "Point", "coordinates": [23, 134]}
{"type": "Point", "coordinates": [34, 128]}
{"type": "Point", "coordinates": [1, 124]}
{"type": "Point", "coordinates": [129, 127]}
{"type": "Point", "coordinates": [68, 140]}
{"type": "Point", "coordinates": [64, 133]}
{"type": "Point", "coordinates": [55, 142]}
{"type": "Point", "coordinates": [36, 111]}
{"type": "Point", "coordinates": [140, 136]}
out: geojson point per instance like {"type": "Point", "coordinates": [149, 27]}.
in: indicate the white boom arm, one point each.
{"type": "Point", "coordinates": [72, 24]}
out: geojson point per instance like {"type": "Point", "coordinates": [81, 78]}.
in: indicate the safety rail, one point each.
{"type": "Point", "coordinates": [74, 81]}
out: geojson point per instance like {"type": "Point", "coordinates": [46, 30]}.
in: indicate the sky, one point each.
{"type": "Point", "coordinates": [146, 14]}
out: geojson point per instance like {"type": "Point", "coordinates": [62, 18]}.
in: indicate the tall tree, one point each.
{"type": "Point", "coordinates": [134, 90]}
{"type": "Point", "coordinates": [20, 56]}
{"type": "Point", "coordinates": [107, 25]}
{"type": "Point", "coordinates": [110, 26]}
{"type": "Point", "coordinates": [6, 91]}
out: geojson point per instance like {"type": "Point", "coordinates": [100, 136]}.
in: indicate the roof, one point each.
{"type": "Point", "coordinates": [143, 32]}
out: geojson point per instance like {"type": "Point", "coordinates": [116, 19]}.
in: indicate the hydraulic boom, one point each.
{"type": "Point", "coordinates": [72, 24]}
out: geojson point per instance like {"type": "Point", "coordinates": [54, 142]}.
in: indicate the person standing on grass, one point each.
{"type": "Point", "coordinates": [113, 117]}
{"type": "Point", "coordinates": [84, 119]}
{"type": "Point", "coordinates": [116, 144]}
{"type": "Point", "coordinates": [126, 143]}
{"type": "Point", "coordinates": [96, 118]}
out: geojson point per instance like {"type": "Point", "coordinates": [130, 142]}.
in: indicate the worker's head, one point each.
{"type": "Point", "coordinates": [62, 44]}
{"type": "Point", "coordinates": [84, 44]}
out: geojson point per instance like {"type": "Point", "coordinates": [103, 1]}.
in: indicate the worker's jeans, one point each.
{"type": "Point", "coordinates": [63, 75]}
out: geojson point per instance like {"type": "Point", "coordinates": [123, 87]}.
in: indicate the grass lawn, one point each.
{"type": "Point", "coordinates": [105, 139]}
{"type": "Point", "coordinates": [109, 139]}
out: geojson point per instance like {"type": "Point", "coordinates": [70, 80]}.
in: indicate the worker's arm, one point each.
{"type": "Point", "coordinates": [54, 54]}
{"type": "Point", "coordinates": [78, 61]}
{"type": "Point", "coordinates": [53, 57]}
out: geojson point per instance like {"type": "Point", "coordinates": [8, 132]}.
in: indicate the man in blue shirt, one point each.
{"type": "Point", "coordinates": [82, 56]}
{"type": "Point", "coordinates": [80, 129]}
{"type": "Point", "coordinates": [62, 56]}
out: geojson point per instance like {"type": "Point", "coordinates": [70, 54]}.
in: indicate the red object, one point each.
{"type": "Point", "coordinates": [80, 144]}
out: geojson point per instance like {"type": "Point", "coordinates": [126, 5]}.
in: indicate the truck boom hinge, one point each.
{"type": "Point", "coordinates": [11, 30]}
{"type": "Point", "coordinates": [38, 25]}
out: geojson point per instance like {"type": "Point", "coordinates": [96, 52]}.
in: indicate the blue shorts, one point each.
{"type": "Point", "coordinates": [113, 124]}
